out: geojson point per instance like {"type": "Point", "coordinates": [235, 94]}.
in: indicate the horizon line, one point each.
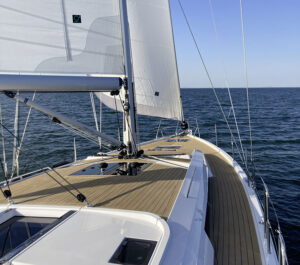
{"type": "Point", "coordinates": [241, 87]}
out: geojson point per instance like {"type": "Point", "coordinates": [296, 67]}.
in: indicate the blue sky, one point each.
{"type": "Point", "coordinates": [272, 31]}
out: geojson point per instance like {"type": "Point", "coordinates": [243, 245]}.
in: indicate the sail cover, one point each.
{"type": "Point", "coordinates": [61, 36]}
{"type": "Point", "coordinates": [157, 91]}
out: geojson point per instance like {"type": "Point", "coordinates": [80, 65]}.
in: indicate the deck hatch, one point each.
{"type": "Point", "coordinates": [133, 251]}
{"type": "Point", "coordinates": [96, 169]}
{"type": "Point", "coordinates": [112, 169]}
{"type": "Point", "coordinates": [176, 140]}
{"type": "Point", "coordinates": [167, 148]}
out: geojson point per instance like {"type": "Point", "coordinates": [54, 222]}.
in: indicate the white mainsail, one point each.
{"type": "Point", "coordinates": [61, 37]}
{"type": "Point", "coordinates": [157, 91]}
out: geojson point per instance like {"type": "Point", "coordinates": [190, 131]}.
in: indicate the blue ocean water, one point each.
{"type": "Point", "coordinates": [275, 118]}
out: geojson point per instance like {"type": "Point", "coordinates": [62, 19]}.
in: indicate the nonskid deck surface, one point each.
{"type": "Point", "coordinates": [229, 222]}
{"type": "Point", "coordinates": [152, 190]}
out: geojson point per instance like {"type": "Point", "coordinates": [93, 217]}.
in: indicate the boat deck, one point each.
{"type": "Point", "coordinates": [153, 190]}
{"type": "Point", "coordinates": [229, 222]}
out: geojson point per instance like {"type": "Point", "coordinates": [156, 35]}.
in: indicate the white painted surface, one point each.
{"type": "Point", "coordinates": [188, 242]}
{"type": "Point", "coordinates": [255, 206]}
{"type": "Point", "coordinates": [90, 236]}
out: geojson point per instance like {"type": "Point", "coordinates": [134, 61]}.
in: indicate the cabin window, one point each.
{"type": "Point", "coordinates": [18, 229]}
{"type": "Point", "coordinates": [19, 232]}
{"type": "Point", "coordinates": [134, 252]}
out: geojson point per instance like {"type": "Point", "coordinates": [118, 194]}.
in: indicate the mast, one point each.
{"type": "Point", "coordinates": [129, 125]}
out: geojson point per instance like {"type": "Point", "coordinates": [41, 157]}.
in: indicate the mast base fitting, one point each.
{"type": "Point", "coordinates": [184, 125]}
{"type": "Point", "coordinates": [7, 194]}
{"type": "Point", "coordinates": [139, 153]}
{"type": "Point", "coordinates": [80, 197]}
{"type": "Point", "coordinates": [122, 154]}
{"type": "Point", "coordinates": [122, 146]}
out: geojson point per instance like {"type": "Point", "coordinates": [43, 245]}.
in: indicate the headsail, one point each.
{"type": "Point", "coordinates": [157, 91]}
{"type": "Point", "coordinates": [61, 37]}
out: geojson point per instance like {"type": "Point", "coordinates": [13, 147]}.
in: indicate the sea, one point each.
{"type": "Point", "coordinates": [275, 130]}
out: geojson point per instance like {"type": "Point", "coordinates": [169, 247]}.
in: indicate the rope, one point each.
{"type": "Point", "coordinates": [119, 128]}
{"type": "Point", "coordinates": [246, 78]}
{"type": "Point", "coordinates": [210, 80]}
{"type": "Point", "coordinates": [95, 116]}
{"type": "Point", "coordinates": [226, 78]}
{"type": "Point", "coordinates": [128, 124]}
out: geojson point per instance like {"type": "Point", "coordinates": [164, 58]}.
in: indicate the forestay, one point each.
{"type": "Point", "coordinates": [157, 91]}
{"type": "Point", "coordinates": [61, 37]}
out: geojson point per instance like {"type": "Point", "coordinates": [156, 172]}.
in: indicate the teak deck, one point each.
{"type": "Point", "coordinates": [229, 222]}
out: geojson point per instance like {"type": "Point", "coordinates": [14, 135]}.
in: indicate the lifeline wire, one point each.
{"type": "Point", "coordinates": [210, 80]}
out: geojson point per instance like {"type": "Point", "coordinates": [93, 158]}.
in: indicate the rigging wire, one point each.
{"type": "Point", "coordinates": [226, 78]}
{"type": "Point", "coordinates": [22, 137]}
{"type": "Point", "coordinates": [80, 197]}
{"type": "Point", "coordinates": [210, 80]}
{"type": "Point", "coordinates": [3, 145]}
{"type": "Point", "coordinates": [246, 79]}
{"type": "Point", "coordinates": [95, 116]}
{"type": "Point", "coordinates": [100, 122]}
{"type": "Point", "coordinates": [16, 142]}
{"type": "Point", "coordinates": [84, 135]}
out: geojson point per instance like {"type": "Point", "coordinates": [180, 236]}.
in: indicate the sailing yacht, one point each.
{"type": "Point", "coordinates": [173, 200]}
